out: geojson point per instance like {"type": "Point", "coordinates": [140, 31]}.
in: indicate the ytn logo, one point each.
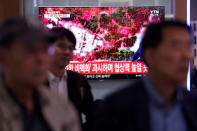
{"type": "Point", "coordinates": [154, 12]}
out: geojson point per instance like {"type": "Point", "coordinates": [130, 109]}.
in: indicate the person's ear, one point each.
{"type": "Point", "coordinates": [149, 56]}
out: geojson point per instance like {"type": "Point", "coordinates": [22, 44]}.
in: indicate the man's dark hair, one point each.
{"type": "Point", "coordinates": [63, 32]}
{"type": "Point", "coordinates": [153, 34]}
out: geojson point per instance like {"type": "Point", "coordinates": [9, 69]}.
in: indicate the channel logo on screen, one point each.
{"type": "Point", "coordinates": [154, 12]}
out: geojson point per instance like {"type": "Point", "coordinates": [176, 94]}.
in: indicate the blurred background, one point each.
{"type": "Point", "coordinates": [174, 9]}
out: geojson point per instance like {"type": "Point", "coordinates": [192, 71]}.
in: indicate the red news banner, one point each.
{"type": "Point", "coordinates": [108, 67]}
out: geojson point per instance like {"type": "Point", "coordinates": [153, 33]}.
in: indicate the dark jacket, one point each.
{"type": "Point", "coordinates": [79, 93]}
{"type": "Point", "coordinates": [128, 110]}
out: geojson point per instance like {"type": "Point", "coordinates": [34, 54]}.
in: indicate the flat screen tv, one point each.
{"type": "Point", "coordinates": [108, 38]}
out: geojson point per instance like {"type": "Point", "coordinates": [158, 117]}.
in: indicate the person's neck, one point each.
{"type": "Point", "coordinates": [24, 94]}
{"type": "Point", "coordinates": [165, 87]}
{"type": "Point", "coordinates": [57, 71]}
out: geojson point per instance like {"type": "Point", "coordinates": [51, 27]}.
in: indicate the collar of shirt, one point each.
{"type": "Point", "coordinates": [155, 97]}
{"type": "Point", "coordinates": [52, 77]}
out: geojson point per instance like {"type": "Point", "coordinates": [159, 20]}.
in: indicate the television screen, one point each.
{"type": "Point", "coordinates": [108, 38]}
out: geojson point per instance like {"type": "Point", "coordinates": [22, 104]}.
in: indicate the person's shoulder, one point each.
{"type": "Point", "coordinates": [57, 108]}
{"type": "Point", "coordinates": [126, 96]}
{"type": "Point", "coordinates": [190, 104]}
{"type": "Point", "coordinates": [128, 91]}
{"type": "Point", "coordinates": [51, 97]}
{"type": "Point", "coordinates": [75, 75]}
{"type": "Point", "coordinates": [190, 96]}
{"type": "Point", "coordinates": [56, 102]}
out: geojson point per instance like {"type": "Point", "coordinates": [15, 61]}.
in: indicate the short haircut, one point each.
{"type": "Point", "coordinates": [153, 34]}
{"type": "Point", "coordinates": [61, 32]}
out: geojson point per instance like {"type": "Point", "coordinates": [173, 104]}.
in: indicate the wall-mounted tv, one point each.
{"type": "Point", "coordinates": [108, 38]}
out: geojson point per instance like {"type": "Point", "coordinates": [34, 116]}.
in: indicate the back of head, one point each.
{"type": "Point", "coordinates": [154, 36]}
{"type": "Point", "coordinates": [61, 32]}
{"type": "Point", "coordinates": [25, 30]}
